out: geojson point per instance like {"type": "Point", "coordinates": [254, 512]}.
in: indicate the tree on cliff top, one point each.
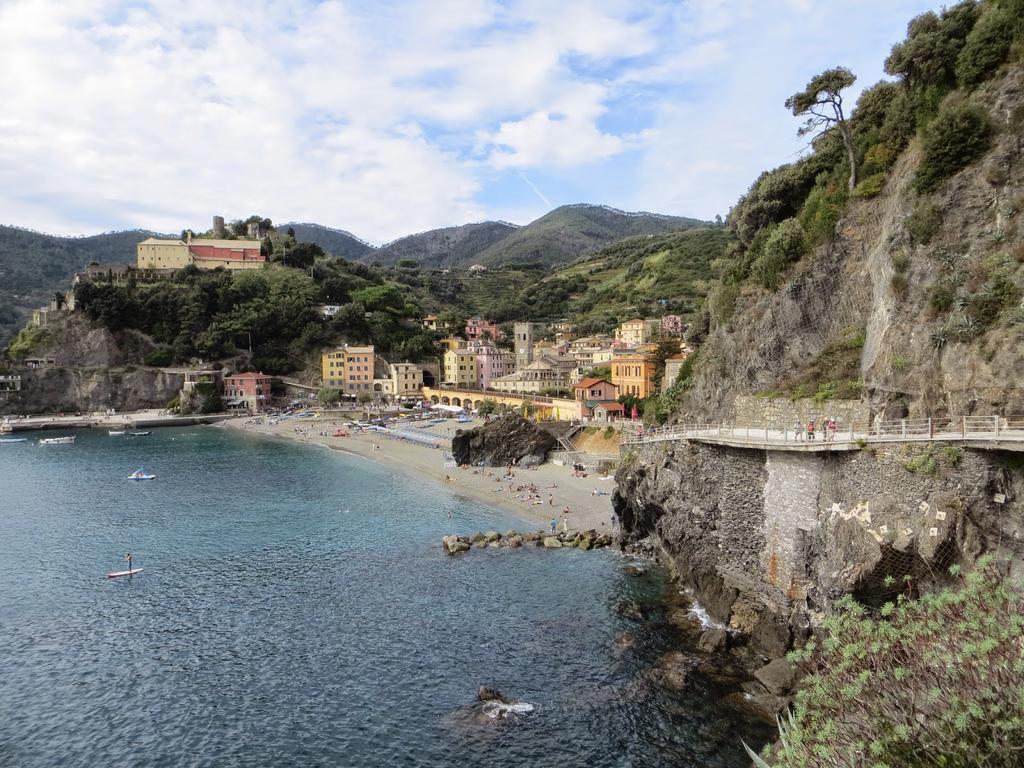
{"type": "Point", "coordinates": [822, 102]}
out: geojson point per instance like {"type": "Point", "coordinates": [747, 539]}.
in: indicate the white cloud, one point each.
{"type": "Point", "coordinates": [387, 118]}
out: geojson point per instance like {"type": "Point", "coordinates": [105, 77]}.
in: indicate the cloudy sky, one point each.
{"type": "Point", "coordinates": [386, 118]}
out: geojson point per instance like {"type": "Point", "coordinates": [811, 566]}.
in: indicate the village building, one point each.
{"type": "Point", "coordinates": [591, 392]}
{"type": "Point", "coordinates": [407, 380]}
{"type": "Point", "coordinates": [633, 374]}
{"type": "Point", "coordinates": [349, 369]}
{"type": "Point", "coordinates": [478, 328]}
{"type": "Point", "coordinates": [200, 379]}
{"type": "Point", "coordinates": [493, 363]}
{"type": "Point", "coordinates": [453, 343]}
{"type": "Point", "coordinates": [673, 366]}
{"type": "Point", "coordinates": [524, 335]}
{"type": "Point", "coordinates": [156, 253]}
{"type": "Point", "coordinates": [460, 368]}
{"type": "Point", "coordinates": [607, 412]}
{"type": "Point", "coordinates": [633, 333]}
{"type": "Point", "coordinates": [250, 390]}
{"type": "Point", "coordinates": [9, 384]}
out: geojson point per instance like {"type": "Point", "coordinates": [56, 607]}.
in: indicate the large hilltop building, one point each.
{"type": "Point", "coordinates": [154, 253]}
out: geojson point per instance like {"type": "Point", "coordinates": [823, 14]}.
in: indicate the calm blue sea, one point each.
{"type": "Point", "coordinates": [296, 609]}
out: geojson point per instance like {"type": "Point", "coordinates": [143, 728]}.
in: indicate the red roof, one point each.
{"type": "Point", "coordinates": [610, 406]}
{"type": "Point", "coordinates": [588, 383]}
{"type": "Point", "coordinates": [249, 375]}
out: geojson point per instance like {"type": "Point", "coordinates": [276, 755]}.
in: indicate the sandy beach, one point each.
{"type": "Point", "coordinates": [587, 498]}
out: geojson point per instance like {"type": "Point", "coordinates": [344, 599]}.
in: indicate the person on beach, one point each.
{"type": "Point", "coordinates": [551, 500]}
{"type": "Point", "coordinates": [554, 524]}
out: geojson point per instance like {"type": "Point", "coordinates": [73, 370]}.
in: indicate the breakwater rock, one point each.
{"type": "Point", "coordinates": [584, 540]}
{"type": "Point", "coordinates": [509, 439]}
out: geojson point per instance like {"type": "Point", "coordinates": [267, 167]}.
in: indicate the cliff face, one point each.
{"type": "Point", "coordinates": [767, 540]}
{"type": "Point", "coordinates": [92, 369]}
{"type": "Point", "coordinates": [881, 279]}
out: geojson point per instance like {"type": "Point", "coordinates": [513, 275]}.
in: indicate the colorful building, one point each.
{"type": "Point", "coordinates": [633, 333]}
{"type": "Point", "coordinates": [349, 369]}
{"type": "Point", "coordinates": [493, 363]}
{"type": "Point", "coordinates": [477, 327]}
{"type": "Point", "coordinates": [608, 411]}
{"type": "Point", "coordinates": [154, 253]}
{"type": "Point", "coordinates": [592, 392]}
{"type": "Point", "coordinates": [633, 375]}
{"type": "Point", "coordinates": [250, 390]}
{"type": "Point", "coordinates": [460, 368]}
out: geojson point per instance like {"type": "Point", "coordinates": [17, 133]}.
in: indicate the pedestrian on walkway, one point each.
{"type": "Point", "coordinates": [799, 429]}
{"type": "Point", "coordinates": [810, 429]}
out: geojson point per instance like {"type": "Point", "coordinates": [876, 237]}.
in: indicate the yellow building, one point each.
{"type": "Point", "coordinates": [453, 343]}
{"type": "Point", "coordinates": [633, 333]}
{"type": "Point", "coordinates": [407, 379]}
{"type": "Point", "coordinates": [154, 253]}
{"type": "Point", "coordinates": [349, 369]}
{"type": "Point", "coordinates": [460, 368]}
{"type": "Point", "coordinates": [633, 375]}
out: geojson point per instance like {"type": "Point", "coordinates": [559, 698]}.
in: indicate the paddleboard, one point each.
{"type": "Point", "coordinates": [116, 574]}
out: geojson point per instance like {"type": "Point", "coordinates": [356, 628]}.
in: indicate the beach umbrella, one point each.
{"type": "Point", "coordinates": [636, 413]}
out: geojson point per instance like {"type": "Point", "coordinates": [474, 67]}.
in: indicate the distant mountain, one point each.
{"type": "Point", "coordinates": [572, 231]}
{"type": "Point", "coordinates": [447, 247]}
{"type": "Point", "coordinates": [34, 265]}
{"type": "Point", "coordinates": [335, 241]}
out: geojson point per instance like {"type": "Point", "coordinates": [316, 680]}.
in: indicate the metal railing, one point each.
{"type": "Point", "coordinates": [960, 428]}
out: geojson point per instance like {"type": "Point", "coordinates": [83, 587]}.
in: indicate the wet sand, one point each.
{"type": "Point", "coordinates": [588, 498]}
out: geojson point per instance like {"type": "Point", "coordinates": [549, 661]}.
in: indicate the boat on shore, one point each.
{"type": "Point", "coordinates": [57, 440]}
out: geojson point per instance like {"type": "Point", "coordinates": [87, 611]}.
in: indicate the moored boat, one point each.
{"type": "Point", "coordinates": [140, 474]}
{"type": "Point", "coordinates": [139, 434]}
{"type": "Point", "coordinates": [115, 432]}
{"type": "Point", "coordinates": [57, 440]}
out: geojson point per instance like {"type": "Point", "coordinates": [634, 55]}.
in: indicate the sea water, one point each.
{"type": "Point", "coordinates": [296, 608]}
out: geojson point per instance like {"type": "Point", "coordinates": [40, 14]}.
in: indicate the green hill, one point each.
{"type": "Point", "coordinates": [34, 265]}
{"type": "Point", "coordinates": [337, 242]}
{"type": "Point", "coordinates": [447, 247]}
{"type": "Point", "coordinates": [572, 231]}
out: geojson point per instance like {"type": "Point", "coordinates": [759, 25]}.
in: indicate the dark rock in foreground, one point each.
{"type": "Point", "coordinates": [509, 439]}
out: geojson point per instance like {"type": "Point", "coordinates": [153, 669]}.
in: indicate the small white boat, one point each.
{"type": "Point", "coordinates": [57, 440]}
{"type": "Point", "coordinates": [140, 474]}
{"type": "Point", "coordinates": [139, 434]}
{"type": "Point", "coordinates": [13, 439]}
{"type": "Point", "coordinates": [115, 432]}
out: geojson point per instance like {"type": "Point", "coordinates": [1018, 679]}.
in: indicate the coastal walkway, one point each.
{"type": "Point", "coordinates": [986, 432]}
{"type": "Point", "coordinates": [132, 420]}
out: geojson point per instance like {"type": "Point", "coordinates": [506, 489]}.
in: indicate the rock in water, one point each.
{"type": "Point", "coordinates": [503, 441]}
{"type": "Point", "coordinates": [490, 694]}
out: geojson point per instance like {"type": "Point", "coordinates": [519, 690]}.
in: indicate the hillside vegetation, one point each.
{"type": "Point", "coordinates": [336, 242]}
{"type": "Point", "coordinates": [446, 247]}
{"type": "Point", "coordinates": [922, 263]}
{"type": "Point", "coordinates": [34, 265]}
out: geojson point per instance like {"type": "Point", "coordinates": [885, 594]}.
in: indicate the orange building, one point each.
{"type": "Point", "coordinates": [633, 375]}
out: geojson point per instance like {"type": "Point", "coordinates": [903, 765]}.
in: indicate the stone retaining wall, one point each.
{"type": "Point", "coordinates": [783, 413]}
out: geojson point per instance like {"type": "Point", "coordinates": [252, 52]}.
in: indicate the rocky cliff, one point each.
{"type": "Point", "coordinates": [766, 540]}
{"type": "Point", "coordinates": [88, 368]}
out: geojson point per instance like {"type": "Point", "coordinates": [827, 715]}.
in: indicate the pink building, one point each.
{"type": "Point", "coordinates": [493, 363]}
{"type": "Point", "coordinates": [251, 390]}
{"type": "Point", "coordinates": [594, 392]}
{"type": "Point", "coordinates": [672, 325]}
{"type": "Point", "coordinates": [476, 326]}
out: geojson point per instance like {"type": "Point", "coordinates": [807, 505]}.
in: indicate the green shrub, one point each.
{"type": "Point", "coordinates": [898, 283]}
{"type": "Point", "coordinates": [923, 222]}
{"type": "Point", "coordinates": [986, 48]}
{"type": "Point", "coordinates": [870, 186]}
{"type": "Point", "coordinates": [920, 462]}
{"type": "Point", "coordinates": [786, 244]}
{"type": "Point", "coordinates": [936, 681]}
{"type": "Point", "coordinates": [28, 340]}
{"type": "Point", "coordinates": [160, 357]}
{"type": "Point", "coordinates": [722, 302]}
{"type": "Point", "coordinates": [879, 158]}
{"type": "Point", "coordinates": [328, 396]}
{"type": "Point", "coordinates": [609, 432]}
{"type": "Point", "coordinates": [940, 297]}
{"type": "Point", "coordinates": [821, 212]}
{"type": "Point", "coordinates": [958, 136]}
